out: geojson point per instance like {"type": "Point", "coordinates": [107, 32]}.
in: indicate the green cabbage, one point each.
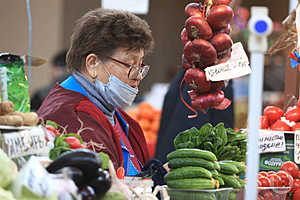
{"type": "Point", "coordinates": [28, 195]}
{"type": "Point", "coordinates": [6, 169]}
{"type": "Point", "coordinates": [6, 195]}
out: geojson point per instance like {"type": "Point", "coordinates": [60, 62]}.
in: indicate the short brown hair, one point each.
{"type": "Point", "coordinates": [102, 31]}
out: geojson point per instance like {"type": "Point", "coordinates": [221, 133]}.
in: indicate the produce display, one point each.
{"type": "Point", "coordinates": [206, 43]}
{"type": "Point", "coordinates": [63, 142]}
{"type": "Point", "coordinates": [86, 169]}
{"type": "Point", "coordinates": [281, 185]}
{"type": "Point", "coordinates": [198, 170]}
{"type": "Point", "coordinates": [276, 119]}
{"type": "Point", "coordinates": [225, 143]}
{"type": "Point", "coordinates": [10, 117]}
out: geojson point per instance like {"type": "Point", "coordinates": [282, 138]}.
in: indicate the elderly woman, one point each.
{"type": "Point", "coordinates": [106, 61]}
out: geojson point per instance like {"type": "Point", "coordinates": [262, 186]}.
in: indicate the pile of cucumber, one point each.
{"type": "Point", "coordinates": [192, 168]}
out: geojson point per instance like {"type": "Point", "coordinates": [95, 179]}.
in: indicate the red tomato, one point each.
{"type": "Point", "coordinates": [296, 184]}
{"type": "Point", "coordinates": [259, 197]}
{"type": "Point", "coordinates": [298, 103]}
{"type": "Point", "coordinates": [267, 194]}
{"type": "Point", "coordinates": [52, 130]}
{"type": "Point", "coordinates": [293, 114]}
{"type": "Point", "coordinates": [276, 197]}
{"type": "Point", "coordinates": [291, 168]}
{"type": "Point", "coordinates": [74, 142]}
{"type": "Point", "coordinates": [271, 172]}
{"type": "Point", "coordinates": [286, 178]}
{"type": "Point", "coordinates": [259, 183]}
{"type": "Point", "coordinates": [273, 113]}
{"type": "Point", "coordinates": [121, 173]}
{"type": "Point", "coordinates": [275, 180]}
{"type": "Point", "coordinates": [264, 123]}
{"type": "Point", "coordinates": [296, 195]}
{"type": "Point", "coordinates": [280, 126]}
{"type": "Point", "coordinates": [263, 173]}
{"type": "Point", "coordinates": [265, 181]}
{"type": "Point", "coordinates": [296, 126]}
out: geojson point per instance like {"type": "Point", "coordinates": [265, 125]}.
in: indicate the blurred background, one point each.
{"type": "Point", "coordinates": [53, 21]}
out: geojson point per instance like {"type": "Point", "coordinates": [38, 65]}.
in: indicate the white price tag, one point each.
{"type": "Point", "coordinates": [297, 147]}
{"type": "Point", "coordinates": [270, 141]}
{"type": "Point", "coordinates": [26, 142]}
{"type": "Point", "coordinates": [236, 66]}
{"type": "Point", "coordinates": [134, 6]}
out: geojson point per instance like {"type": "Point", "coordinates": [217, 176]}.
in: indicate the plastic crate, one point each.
{"type": "Point", "coordinates": [274, 192]}
{"type": "Point", "coordinates": [184, 194]}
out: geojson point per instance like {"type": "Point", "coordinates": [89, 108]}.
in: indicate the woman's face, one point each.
{"type": "Point", "coordinates": [119, 70]}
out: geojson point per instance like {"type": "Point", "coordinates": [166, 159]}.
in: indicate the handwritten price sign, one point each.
{"type": "Point", "coordinates": [236, 66]}
{"type": "Point", "coordinates": [297, 147]}
{"type": "Point", "coordinates": [270, 141]}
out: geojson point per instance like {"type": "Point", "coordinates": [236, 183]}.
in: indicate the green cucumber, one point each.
{"type": "Point", "coordinates": [227, 168]}
{"type": "Point", "coordinates": [214, 172]}
{"type": "Point", "coordinates": [193, 162]}
{"type": "Point", "coordinates": [217, 166]}
{"type": "Point", "coordinates": [192, 183]}
{"type": "Point", "coordinates": [242, 182]}
{"type": "Point", "coordinates": [231, 181]}
{"type": "Point", "coordinates": [188, 172]}
{"type": "Point", "coordinates": [218, 178]}
{"type": "Point", "coordinates": [232, 195]}
{"type": "Point", "coordinates": [184, 145]}
{"type": "Point", "coordinates": [192, 153]}
{"type": "Point", "coordinates": [241, 166]}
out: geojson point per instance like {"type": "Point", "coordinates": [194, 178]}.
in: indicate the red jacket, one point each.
{"type": "Point", "coordinates": [67, 108]}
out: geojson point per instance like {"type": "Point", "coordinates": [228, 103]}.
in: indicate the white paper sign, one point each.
{"type": "Point", "coordinates": [270, 141]}
{"type": "Point", "coordinates": [134, 6]}
{"type": "Point", "coordinates": [236, 66]}
{"type": "Point", "coordinates": [26, 142]}
{"type": "Point", "coordinates": [297, 147]}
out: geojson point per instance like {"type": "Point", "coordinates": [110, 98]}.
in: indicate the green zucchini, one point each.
{"type": "Point", "coordinates": [192, 153]}
{"type": "Point", "coordinates": [231, 181]}
{"type": "Point", "coordinates": [192, 183]}
{"type": "Point", "coordinates": [188, 172]}
{"type": "Point", "coordinates": [193, 162]}
{"type": "Point", "coordinates": [241, 166]}
{"type": "Point", "coordinates": [227, 168]}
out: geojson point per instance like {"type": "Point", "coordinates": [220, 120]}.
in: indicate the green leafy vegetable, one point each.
{"type": "Point", "coordinates": [225, 143]}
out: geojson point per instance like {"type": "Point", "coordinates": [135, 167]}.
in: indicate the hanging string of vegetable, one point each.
{"type": "Point", "coordinates": [206, 43]}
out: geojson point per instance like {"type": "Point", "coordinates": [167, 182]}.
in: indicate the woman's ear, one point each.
{"type": "Point", "coordinates": [91, 63]}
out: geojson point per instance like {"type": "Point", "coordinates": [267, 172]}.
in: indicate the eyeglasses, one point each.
{"type": "Point", "coordinates": [134, 70]}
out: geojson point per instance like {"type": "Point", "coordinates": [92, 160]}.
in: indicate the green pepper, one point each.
{"type": "Point", "coordinates": [52, 123]}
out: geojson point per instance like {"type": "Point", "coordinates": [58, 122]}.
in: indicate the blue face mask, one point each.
{"type": "Point", "coordinates": [117, 93]}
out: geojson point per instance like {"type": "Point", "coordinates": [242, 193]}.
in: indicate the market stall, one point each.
{"type": "Point", "coordinates": [41, 160]}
